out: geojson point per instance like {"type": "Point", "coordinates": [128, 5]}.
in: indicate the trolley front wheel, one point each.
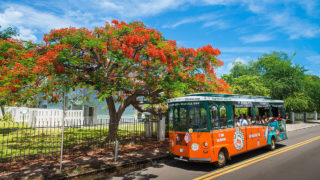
{"type": "Point", "coordinates": [222, 159]}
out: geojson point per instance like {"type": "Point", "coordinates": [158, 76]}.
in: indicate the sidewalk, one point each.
{"type": "Point", "coordinates": [302, 125]}
{"type": "Point", "coordinates": [98, 163]}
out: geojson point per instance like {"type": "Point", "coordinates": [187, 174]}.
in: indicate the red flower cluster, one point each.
{"type": "Point", "coordinates": [127, 51]}
{"type": "Point", "coordinates": [60, 47]}
{"type": "Point", "coordinates": [200, 78]}
{"type": "Point", "coordinates": [187, 52]}
{"type": "Point", "coordinates": [208, 50]}
{"type": "Point", "coordinates": [155, 53]}
{"type": "Point", "coordinates": [57, 34]}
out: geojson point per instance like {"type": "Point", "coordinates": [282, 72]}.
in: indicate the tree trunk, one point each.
{"type": "Point", "coordinates": [113, 128]}
{"type": "Point", "coordinates": [115, 116]}
{"type": "Point", "coordinates": [2, 110]}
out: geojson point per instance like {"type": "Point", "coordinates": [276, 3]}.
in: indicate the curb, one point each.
{"type": "Point", "coordinates": [116, 170]}
{"type": "Point", "coordinates": [305, 127]}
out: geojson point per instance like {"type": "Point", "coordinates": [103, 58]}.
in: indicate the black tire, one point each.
{"type": "Point", "coordinates": [272, 146]}
{"type": "Point", "coordinates": [222, 159]}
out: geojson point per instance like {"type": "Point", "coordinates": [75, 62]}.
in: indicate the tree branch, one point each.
{"type": "Point", "coordinates": [140, 109]}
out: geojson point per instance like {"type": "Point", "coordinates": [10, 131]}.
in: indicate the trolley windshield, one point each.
{"type": "Point", "coordinates": [184, 117]}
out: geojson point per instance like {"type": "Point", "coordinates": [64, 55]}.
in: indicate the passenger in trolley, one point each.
{"type": "Point", "coordinates": [242, 121]}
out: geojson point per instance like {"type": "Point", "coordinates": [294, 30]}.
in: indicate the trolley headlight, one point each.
{"type": "Point", "coordinates": [205, 144]}
{"type": "Point", "coordinates": [194, 146]}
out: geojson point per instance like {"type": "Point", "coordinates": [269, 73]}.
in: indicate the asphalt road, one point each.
{"type": "Point", "coordinates": [295, 158]}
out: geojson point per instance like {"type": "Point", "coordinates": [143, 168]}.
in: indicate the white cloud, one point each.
{"type": "Point", "coordinates": [216, 23]}
{"type": "Point", "coordinates": [239, 59]}
{"type": "Point", "coordinates": [26, 18]}
{"type": "Point", "coordinates": [285, 20]}
{"type": "Point", "coordinates": [23, 15]}
{"type": "Point", "coordinates": [222, 70]}
{"type": "Point", "coordinates": [139, 8]}
{"type": "Point", "coordinates": [256, 38]}
{"type": "Point", "coordinates": [250, 49]}
{"type": "Point", "coordinates": [26, 34]}
{"type": "Point", "coordinates": [225, 69]}
{"type": "Point", "coordinates": [219, 2]}
{"type": "Point", "coordinates": [111, 5]}
{"type": "Point", "coordinates": [310, 6]}
{"type": "Point", "coordinates": [294, 26]}
{"type": "Point", "coordinates": [208, 20]}
{"type": "Point", "coordinates": [315, 59]}
{"type": "Point", "coordinates": [179, 23]}
{"type": "Point", "coordinates": [190, 20]}
{"type": "Point", "coordinates": [90, 13]}
{"type": "Point", "coordinates": [255, 6]}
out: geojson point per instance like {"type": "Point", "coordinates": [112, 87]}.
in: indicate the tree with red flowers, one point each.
{"type": "Point", "coordinates": [129, 64]}
{"type": "Point", "coordinates": [17, 60]}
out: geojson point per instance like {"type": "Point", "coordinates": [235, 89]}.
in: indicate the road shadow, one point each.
{"type": "Point", "coordinates": [252, 154]}
{"type": "Point", "coordinates": [208, 167]}
{"type": "Point", "coordinates": [136, 175]}
{"type": "Point", "coordinates": [310, 122]}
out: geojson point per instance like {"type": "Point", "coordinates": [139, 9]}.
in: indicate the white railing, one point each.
{"type": "Point", "coordinates": [45, 117]}
{"type": "Point", "coordinates": [53, 117]}
{"type": "Point", "coordinates": [105, 119]}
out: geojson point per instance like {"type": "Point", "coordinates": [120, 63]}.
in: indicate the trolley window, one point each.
{"type": "Point", "coordinates": [198, 118]}
{"type": "Point", "coordinates": [183, 118]}
{"type": "Point", "coordinates": [171, 118]}
{"type": "Point", "coordinates": [214, 117]}
{"type": "Point", "coordinates": [223, 117]}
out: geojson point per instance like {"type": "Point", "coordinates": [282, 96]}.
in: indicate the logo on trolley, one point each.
{"type": "Point", "coordinates": [238, 139]}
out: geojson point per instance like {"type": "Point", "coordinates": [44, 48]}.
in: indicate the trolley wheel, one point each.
{"type": "Point", "coordinates": [222, 159]}
{"type": "Point", "coordinates": [272, 146]}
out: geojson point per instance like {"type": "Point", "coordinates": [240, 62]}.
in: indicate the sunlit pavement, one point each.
{"type": "Point", "coordinates": [298, 126]}
{"type": "Point", "coordinates": [298, 162]}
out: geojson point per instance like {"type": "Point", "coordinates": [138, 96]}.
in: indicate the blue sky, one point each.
{"type": "Point", "coordinates": [242, 30]}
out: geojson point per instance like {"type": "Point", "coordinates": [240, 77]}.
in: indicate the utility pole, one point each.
{"type": "Point", "coordinates": [64, 106]}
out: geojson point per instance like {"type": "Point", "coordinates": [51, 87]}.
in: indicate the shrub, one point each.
{"type": "Point", "coordinates": [6, 118]}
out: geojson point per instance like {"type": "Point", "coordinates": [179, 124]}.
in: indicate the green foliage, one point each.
{"type": "Point", "coordinates": [6, 118]}
{"type": "Point", "coordinates": [8, 33]}
{"type": "Point", "coordinates": [311, 86]}
{"type": "Point", "coordinates": [239, 111]}
{"type": "Point", "coordinates": [299, 102]}
{"type": "Point", "coordinates": [223, 112]}
{"type": "Point", "coordinates": [279, 74]}
{"type": "Point", "coordinates": [250, 85]}
{"type": "Point", "coordinates": [240, 69]}
{"type": "Point", "coordinates": [276, 76]}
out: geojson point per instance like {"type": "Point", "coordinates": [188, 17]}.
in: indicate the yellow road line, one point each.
{"type": "Point", "coordinates": [254, 160]}
{"type": "Point", "coordinates": [247, 161]}
{"type": "Point", "coordinates": [236, 168]}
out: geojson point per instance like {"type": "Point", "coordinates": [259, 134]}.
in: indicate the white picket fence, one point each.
{"type": "Point", "coordinates": [45, 117]}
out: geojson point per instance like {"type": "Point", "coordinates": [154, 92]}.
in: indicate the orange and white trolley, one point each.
{"type": "Point", "coordinates": [209, 127]}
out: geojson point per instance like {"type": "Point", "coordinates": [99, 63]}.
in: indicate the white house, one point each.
{"type": "Point", "coordinates": [94, 111]}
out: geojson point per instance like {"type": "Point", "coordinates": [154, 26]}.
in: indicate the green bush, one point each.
{"type": "Point", "coordinates": [6, 118]}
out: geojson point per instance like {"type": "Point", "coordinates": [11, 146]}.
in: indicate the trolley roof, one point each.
{"type": "Point", "coordinates": [223, 97]}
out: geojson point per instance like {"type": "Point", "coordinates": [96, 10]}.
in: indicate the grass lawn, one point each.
{"type": "Point", "coordinates": [18, 140]}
